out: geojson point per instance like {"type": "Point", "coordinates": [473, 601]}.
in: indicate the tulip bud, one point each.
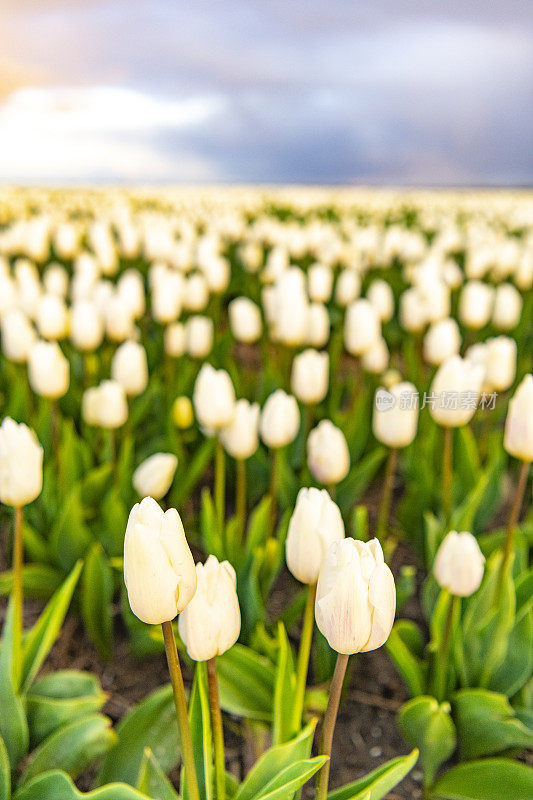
{"type": "Point", "coordinates": [213, 398]}
{"type": "Point", "coordinates": [167, 295]}
{"type": "Point", "coordinates": [245, 320]}
{"type": "Point", "coordinates": [154, 476]}
{"type": "Point", "coordinates": [175, 339]}
{"type": "Point", "coordinates": [459, 564]}
{"type": "Point", "coordinates": [105, 405]}
{"type": "Point", "coordinates": [310, 376]}
{"type": "Point", "coordinates": [356, 597]}
{"type": "Point", "coordinates": [86, 325]}
{"type": "Point", "coordinates": [118, 319]}
{"type": "Point", "coordinates": [18, 336]}
{"type": "Point", "coordinates": [211, 622]}
{"type": "Point", "coordinates": [240, 436]}
{"type": "Point", "coordinates": [413, 316]}
{"type": "Point", "coordinates": [51, 317]}
{"type": "Point", "coordinates": [442, 341]}
{"type": "Point", "coordinates": [500, 362]}
{"type": "Point", "coordinates": [348, 287]}
{"type": "Point", "coordinates": [158, 565]}
{"type": "Point", "coordinates": [130, 368]}
{"type": "Point", "coordinates": [518, 439]}
{"type": "Point", "coordinates": [55, 280]}
{"type": "Point", "coordinates": [317, 331]}
{"type": "Point", "coordinates": [394, 423]}
{"type": "Point", "coordinates": [507, 307]}
{"type": "Point", "coordinates": [280, 419]}
{"type": "Point", "coordinates": [195, 292]}
{"type": "Point", "coordinates": [199, 336]}
{"type": "Point", "coordinates": [89, 406]}
{"type": "Point", "coordinates": [455, 392]}
{"type": "Point", "coordinates": [327, 453]}
{"type": "Point", "coordinates": [319, 283]}
{"type": "Point", "coordinates": [21, 464]}
{"type": "Point", "coordinates": [376, 358]}
{"type": "Point", "coordinates": [475, 304]}
{"type": "Point", "coordinates": [382, 298]}
{"type": "Point", "coordinates": [361, 327]}
{"type": "Point", "coordinates": [131, 289]}
{"type": "Point", "coordinates": [48, 370]}
{"type": "Point", "coordinates": [182, 412]}
{"type": "Point", "coordinates": [315, 524]}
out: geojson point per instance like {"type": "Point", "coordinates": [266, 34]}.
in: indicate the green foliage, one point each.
{"type": "Point", "coordinates": [427, 724]}
{"type": "Point", "coordinates": [487, 779]}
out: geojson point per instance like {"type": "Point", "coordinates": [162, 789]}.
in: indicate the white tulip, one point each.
{"type": "Point", "coordinates": [159, 568]}
{"type": "Point", "coordinates": [356, 597]}
{"type": "Point", "coordinates": [129, 367]}
{"type": "Point", "coordinates": [381, 296]}
{"type": "Point", "coordinates": [475, 304]}
{"type": "Point", "coordinates": [347, 288]}
{"type": "Point", "coordinates": [130, 288]}
{"type": "Point", "coordinates": [109, 405]}
{"type": "Point", "coordinates": [395, 425]}
{"type": "Point", "coordinates": [213, 398]}
{"type": "Point", "coordinates": [175, 339]}
{"type": "Point", "coordinates": [507, 307]}
{"type": "Point", "coordinates": [48, 370]}
{"type": "Point", "coordinates": [318, 325]}
{"type": "Point", "coordinates": [500, 362]}
{"type": "Point", "coordinates": [86, 325]}
{"type": "Point", "coordinates": [51, 316]}
{"type": "Point", "coordinates": [21, 464]}
{"type": "Point", "coordinates": [455, 392]}
{"type": "Point", "coordinates": [18, 336]}
{"type": "Point", "coordinates": [518, 439]}
{"type": "Point", "coordinates": [310, 376]}
{"type": "Point", "coordinates": [154, 476]}
{"type": "Point", "coordinates": [55, 280]}
{"type": "Point", "coordinates": [280, 419]}
{"type": "Point", "coordinates": [362, 327]}
{"type": "Point", "coordinates": [240, 437]}
{"type": "Point", "coordinates": [195, 292]}
{"type": "Point", "coordinates": [211, 622]}
{"type": "Point", "coordinates": [459, 564]}
{"type": "Point", "coordinates": [327, 453]}
{"type": "Point", "coordinates": [319, 283]}
{"type": "Point", "coordinates": [442, 340]}
{"type": "Point", "coordinates": [118, 319]}
{"type": "Point", "coordinates": [245, 320]}
{"type": "Point", "coordinates": [376, 358]}
{"type": "Point", "coordinates": [413, 316]}
{"type": "Point", "coordinates": [315, 524]}
{"type": "Point", "coordinates": [199, 334]}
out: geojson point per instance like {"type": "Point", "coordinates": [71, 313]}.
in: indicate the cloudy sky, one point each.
{"type": "Point", "coordinates": [276, 91]}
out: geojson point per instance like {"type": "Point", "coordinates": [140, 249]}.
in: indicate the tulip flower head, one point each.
{"type": "Point", "coordinates": [154, 476]}
{"type": "Point", "coordinates": [21, 464]}
{"type": "Point", "coordinates": [356, 597]}
{"type": "Point", "coordinates": [315, 524]}
{"type": "Point", "coordinates": [459, 564]}
{"type": "Point", "coordinates": [327, 453]}
{"type": "Point", "coordinates": [240, 438]}
{"type": "Point", "coordinates": [213, 398]}
{"type": "Point", "coordinates": [159, 568]}
{"type": "Point", "coordinates": [280, 419]}
{"type": "Point", "coordinates": [211, 622]}
{"type": "Point", "coordinates": [518, 440]}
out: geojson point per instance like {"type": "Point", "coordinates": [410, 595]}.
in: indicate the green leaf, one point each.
{"type": "Point", "coordinates": [60, 698]}
{"type": "Point", "coordinates": [95, 484]}
{"type": "Point", "coordinates": [274, 761]}
{"type": "Point", "coordinates": [73, 747]}
{"type": "Point", "coordinates": [377, 783]}
{"type": "Point", "coordinates": [257, 531]}
{"type": "Point", "coordinates": [487, 724]}
{"type": "Point", "coordinates": [56, 785]}
{"type": "Point", "coordinates": [405, 646]}
{"type": "Point", "coordinates": [358, 479]}
{"type": "Point", "coordinates": [153, 781]}
{"type": "Point", "coordinates": [183, 489]}
{"type": "Point", "coordinates": [13, 723]}
{"type": "Point", "coordinates": [284, 726]}
{"type": "Point", "coordinates": [211, 537]}
{"type": "Point", "coordinates": [517, 666]}
{"type": "Point", "coordinates": [202, 739]}
{"type": "Point", "coordinates": [114, 521]}
{"type": "Point", "coordinates": [39, 581]}
{"type": "Point", "coordinates": [97, 586]}
{"type": "Point", "coordinates": [427, 724]}
{"type": "Point", "coordinates": [246, 683]}
{"type": "Point", "coordinates": [42, 636]}
{"type": "Point", "coordinates": [70, 538]}
{"type": "Point", "coordinates": [5, 773]}
{"type": "Point", "coordinates": [284, 785]}
{"type": "Point", "coordinates": [487, 779]}
{"type": "Point", "coordinates": [152, 723]}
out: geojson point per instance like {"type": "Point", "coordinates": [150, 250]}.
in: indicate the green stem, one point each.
{"type": "Point", "coordinates": [220, 484]}
{"type": "Point", "coordinates": [443, 654]}
{"type": "Point", "coordinates": [511, 526]}
{"type": "Point", "coordinates": [181, 710]}
{"type": "Point", "coordinates": [328, 726]}
{"type": "Point", "coordinates": [18, 598]}
{"type": "Point", "coordinates": [241, 495]}
{"type": "Point", "coordinates": [447, 462]}
{"type": "Point", "coordinates": [274, 477]}
{"type": "Point", "coordinates": [304, 653]}
{"type": "Point", "coordinates": [386, 497]}
{"type": "Point", "coordinates": [218, 732]}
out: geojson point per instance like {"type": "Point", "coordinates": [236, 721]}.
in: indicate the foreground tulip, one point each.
{"type": "Point", "coordinates": [21, 480]}
{"type": "Point", "coordinates": [160, 579]}
{"type": "Point", "coordinates": [129, 367]}
{"type": "Point", "coordinates": [310, 376]}
{"type": "Point", "coordinates": [354, 609]}
{"type": "Point", "coordinates": [327, 453]}
{"type": "Point", "coordinates": [153, 478]}
{"type": "Point", "coordinates": [458, 568]}
{"type": "Point", "coordinates": [48, 370]}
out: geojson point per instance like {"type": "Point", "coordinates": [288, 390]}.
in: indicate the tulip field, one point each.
{"type": "Point", "coordinates": [266, 518]}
